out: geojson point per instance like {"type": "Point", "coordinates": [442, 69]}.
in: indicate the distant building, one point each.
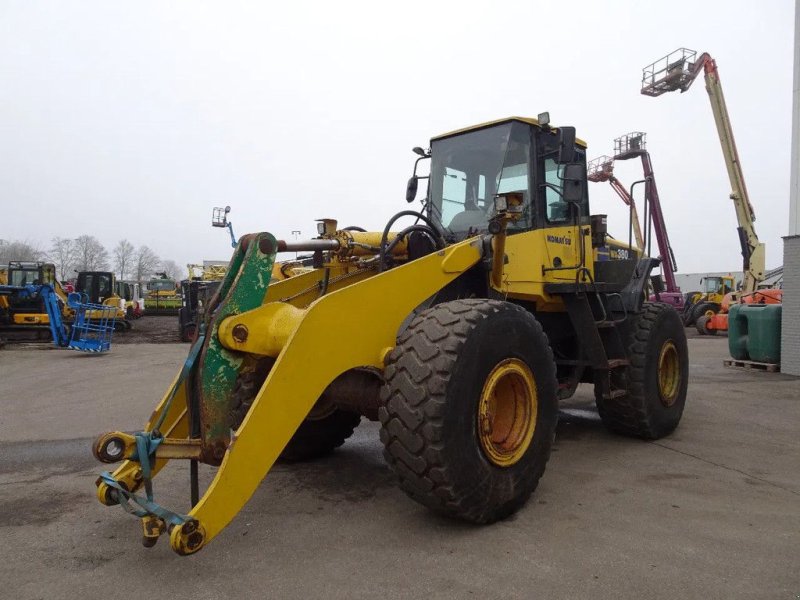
{"type": "Point", "coordinates": [690, 282]}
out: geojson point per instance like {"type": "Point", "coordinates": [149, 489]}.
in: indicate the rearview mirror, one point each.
{"type": "Point", "coordinates": [574, 181]}
{"type": "Point", "coordinates": [411, 189]}
{"type": "Point", "coordinates": [566, 145]}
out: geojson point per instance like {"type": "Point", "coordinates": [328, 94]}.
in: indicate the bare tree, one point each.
{"type": "Point", "coordinates": [19, 250]}
{"type": "Point", "coordinates": [62, 253]}
{"type": "Point", "coordinates": [145, 261]}
{"type": "Point", "coordinates": [172, 269]}
{"type": "Point", "coordinates": [90, 254]}
{"type": "Point", "coordinates": [123, 258]}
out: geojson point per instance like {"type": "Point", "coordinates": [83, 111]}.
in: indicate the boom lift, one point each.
{"type": "Point", "coordinates": [219, 218]}
{"type": "Point", "coordinates": [455, 332]}
{"type": "Point", "coordinates": [601, 169]}
{"type": "Point", "coordinates": [676, 72]}
{"type": "Point", "coordinates": [633, 145]}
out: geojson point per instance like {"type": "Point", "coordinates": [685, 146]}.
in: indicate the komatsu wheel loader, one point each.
{"type": "Point", "coordinates": [458, 332]}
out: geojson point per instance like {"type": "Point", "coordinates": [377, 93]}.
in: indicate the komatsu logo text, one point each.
{"type": "Point", "coordinates": [559, 239]}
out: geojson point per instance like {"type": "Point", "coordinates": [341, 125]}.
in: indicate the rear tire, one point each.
{"type": "Point", "coordinates": [656, 379]}
{"type": "Point", "coordinates": [321, 433]}
{"type": "Point", "coordinates": [469, 408]}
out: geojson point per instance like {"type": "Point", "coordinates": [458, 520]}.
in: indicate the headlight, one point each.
{"type": "Point", "coordinates": [500, 204]}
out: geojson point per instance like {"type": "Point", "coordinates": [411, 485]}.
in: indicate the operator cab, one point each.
{"type": "Point", "coordinates": [21, 274]}
{"type": "Point", "coordinates": [470, 167]}
{"type": "Point", "coordinates": [97, 285]}
{"type": "Point", "coordinates": [717, 285]}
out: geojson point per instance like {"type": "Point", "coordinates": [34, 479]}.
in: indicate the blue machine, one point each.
{"type": "Point", "coordinates": [92, 328]}
{"type": "Point", "coordinates": [219, 218]}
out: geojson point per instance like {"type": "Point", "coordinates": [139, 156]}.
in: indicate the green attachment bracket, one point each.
{"type": "Point", "coordinates": [243, 289]}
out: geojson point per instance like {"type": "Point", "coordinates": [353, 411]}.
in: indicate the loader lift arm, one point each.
{"type": "Point", "coordinates": [676, 72]}
{"type": "Point", "coordinates": [197, 399]}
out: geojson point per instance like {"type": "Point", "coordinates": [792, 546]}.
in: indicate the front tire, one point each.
{"type": "Point", "coordinates": [656, 379]}
{"type": "Point", "coordinates": [704, 309]}
{"type": "Point", "coordinates": [325, 429]}
{"type": "Point", "coordinates": [469, 408]}
{"type": "Point", "coordinates": [702, 326]}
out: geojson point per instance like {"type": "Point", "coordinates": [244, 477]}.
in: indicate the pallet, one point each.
{"type": "Point", "coordinates": [752, 365]}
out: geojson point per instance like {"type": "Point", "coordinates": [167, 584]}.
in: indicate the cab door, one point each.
{"type": "Point", "coordinates": [561, 234]}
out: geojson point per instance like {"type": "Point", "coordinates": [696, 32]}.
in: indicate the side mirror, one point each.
{"type": "Point", "coordinates": [574, 181]}
{"type": "Point", "coordinates": [566, 145]}
{"type": "Point", "coordinates": [411, 189]}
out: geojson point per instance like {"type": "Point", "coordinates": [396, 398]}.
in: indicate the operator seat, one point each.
{"type": "Point", "coordinates": [472, 217]}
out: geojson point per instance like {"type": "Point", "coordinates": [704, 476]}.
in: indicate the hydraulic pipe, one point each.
{"type": "Point", "coordinates": [308, 245]}
{"type": "Point", "coordinates": [346, 243]}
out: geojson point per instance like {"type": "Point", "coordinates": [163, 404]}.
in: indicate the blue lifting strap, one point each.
{"type": "Point", "coordinates": [146, 444]}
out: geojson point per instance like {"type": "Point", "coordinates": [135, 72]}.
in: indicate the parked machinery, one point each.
{"type": "Point", "coordinates": [455, 332]}
{"type": "Point", "coordinates": [129, 292]}
{"type": "Point", "coordinates": [163, 296]}
{"type": "Point", "coordinates": [676, 72]}
{"type": "Point", "coordinates": [601, 169]}
{"type": "Point", "coordinates": [628, 146]}
{"type": "Point", "coordinates": [99, 288]}
{"type": "Point", "coordinates": [708, 301]}
{"type": "Point", "coordinates": [23, 315]}
{"type": "Point", "coordinates": [196, 292]}
{"type": "Point", "coordinates": [219, 218]}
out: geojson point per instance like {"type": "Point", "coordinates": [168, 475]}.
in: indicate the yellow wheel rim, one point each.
{"type": "Point", "coordinates": [507, 412]}
{"type": "Point", "coordinates": [710, 313]}
{"type": "Point", "coordinates": [669, 373]}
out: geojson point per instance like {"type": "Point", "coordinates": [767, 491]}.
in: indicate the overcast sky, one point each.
{"type": "Point", "coordinates": [132, 120]}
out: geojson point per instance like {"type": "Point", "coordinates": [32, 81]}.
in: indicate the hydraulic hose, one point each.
{"type": "Point", "coordinates": [439, 238]}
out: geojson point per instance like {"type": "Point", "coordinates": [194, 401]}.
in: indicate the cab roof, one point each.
{"type": "Point", "coordinates": [528, 120]}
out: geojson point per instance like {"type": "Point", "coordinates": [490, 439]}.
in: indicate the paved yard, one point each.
{"type": "Point", "coordinates": [711, 512]}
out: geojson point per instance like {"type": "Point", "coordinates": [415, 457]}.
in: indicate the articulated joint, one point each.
{"type": "Point", "coordinates": [264, 330]}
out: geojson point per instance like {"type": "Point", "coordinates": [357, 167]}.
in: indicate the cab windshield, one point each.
{"type": "Point", "coordinates": [714, 285]}
{"type": "Point", "coordinates": [467, 170]}
{"type": "Point", "coordinates": [25, 277]}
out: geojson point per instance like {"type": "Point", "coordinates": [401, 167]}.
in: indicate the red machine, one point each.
{"type": "Point", "coordinates": [633, 145]}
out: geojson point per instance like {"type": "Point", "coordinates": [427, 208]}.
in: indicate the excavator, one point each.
{"type": "Point", "coordinates": [457, 332]}
{"type": "Point", "coordinates": [677, 72]}
{"type": "Point", "coordinates": [27, 316]}
{"type": "Point", "coordinates": [633, 145]}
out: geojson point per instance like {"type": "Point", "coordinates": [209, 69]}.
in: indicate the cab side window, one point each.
{"type": "Point", "coordinates": [557, 209]}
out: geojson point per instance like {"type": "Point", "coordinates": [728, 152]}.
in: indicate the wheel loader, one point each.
{"type": "Point", "coordinates": [458, 332]}
{"type": "Point", "coordinates": [707, 302]}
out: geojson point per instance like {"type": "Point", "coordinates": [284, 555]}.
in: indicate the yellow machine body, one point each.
{"type": "Point", "coordinates": [319, 324]}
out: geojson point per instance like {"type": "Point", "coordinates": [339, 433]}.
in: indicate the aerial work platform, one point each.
{"type": "Point", "coordinates": [675, 71]}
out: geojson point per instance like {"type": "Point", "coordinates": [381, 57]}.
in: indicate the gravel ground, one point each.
{"type": "Point", "coordinates": [150, 330]}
